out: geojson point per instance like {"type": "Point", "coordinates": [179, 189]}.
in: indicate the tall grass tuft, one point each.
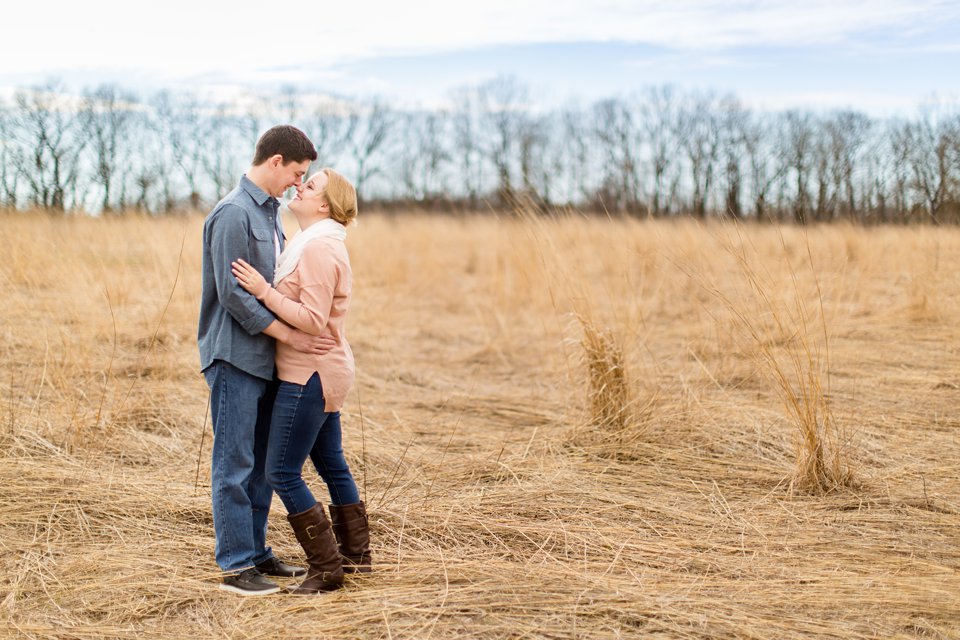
{"type": "Point", "coordinates": [790, 342]}
{"type": "Point", "coordinates": [608, 387]}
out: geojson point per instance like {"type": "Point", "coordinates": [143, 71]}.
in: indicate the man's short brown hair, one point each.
{"type": "Point", "coordinates": [286, 140]}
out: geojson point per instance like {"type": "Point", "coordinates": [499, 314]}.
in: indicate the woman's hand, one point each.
{"type": "Point", "coordinates": [249, 278]}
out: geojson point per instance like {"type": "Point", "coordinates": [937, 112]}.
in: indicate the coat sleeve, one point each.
{"type": "Point", "coordinates": [319, 273]}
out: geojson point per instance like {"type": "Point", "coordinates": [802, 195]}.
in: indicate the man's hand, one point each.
{"type": "Point", "coordinates": [303, 342]}
{"type": "Point", "coordinates": [306, 343]}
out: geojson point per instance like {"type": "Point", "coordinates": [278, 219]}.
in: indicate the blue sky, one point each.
{"type": "Point", "coordinates": [765, 76]}
{"type": "Point", "coordinates": [881, 56]}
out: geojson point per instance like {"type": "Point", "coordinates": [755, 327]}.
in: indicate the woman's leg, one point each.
{"type": "Point", "coordinates": [327, 457]}
{"type": "Point", "coordinates": [297, 417]}
{"type": "Point", "coordinates": [347, 513]}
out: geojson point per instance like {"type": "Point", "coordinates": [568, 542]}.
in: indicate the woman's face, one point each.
{"type": "Point", "coordinates": [310, 201]}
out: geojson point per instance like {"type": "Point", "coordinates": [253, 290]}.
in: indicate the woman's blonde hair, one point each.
{"type": "Point", "coordinates": [341, 196]}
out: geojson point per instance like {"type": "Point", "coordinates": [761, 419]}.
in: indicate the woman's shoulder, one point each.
{"type": "Point", "coordinates": [325, 247]}
{"type": "Point", "coordinates": [323, 254]}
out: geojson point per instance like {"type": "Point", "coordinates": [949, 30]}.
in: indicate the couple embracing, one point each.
{"type": "Point", "coordinates": [274, 353]}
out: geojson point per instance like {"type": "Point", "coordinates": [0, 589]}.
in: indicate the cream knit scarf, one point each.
{"type": "Point", "coordinates": [290, 257]}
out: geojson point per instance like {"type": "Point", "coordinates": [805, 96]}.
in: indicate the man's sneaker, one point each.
{"type": "Point", "coordinates": [274, 567]}
{"type": "Point", "coordinates": [249, 582]}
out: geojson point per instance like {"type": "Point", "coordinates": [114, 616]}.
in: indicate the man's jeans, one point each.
{"type": "Point", "coordinates": [301, 428]}
{"type": "Point", "coordinates": [240, 405]}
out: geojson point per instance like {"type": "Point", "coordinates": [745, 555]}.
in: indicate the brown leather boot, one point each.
{"type": "Point", "coordinates": [324, 572]}
{"type": "Point", "coordinates": [352, 530]}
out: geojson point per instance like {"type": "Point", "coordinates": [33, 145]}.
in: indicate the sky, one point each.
{"type": "Point", "coordinates": [880, 56]}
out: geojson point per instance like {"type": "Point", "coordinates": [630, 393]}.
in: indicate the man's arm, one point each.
{"type": "Point", "coordinates": [318, 345]}
{"type": "Point", "coordinates": [229, 238]}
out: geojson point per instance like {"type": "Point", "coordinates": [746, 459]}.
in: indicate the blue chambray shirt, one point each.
{"type": "Point", "coordinates": [231, 320]}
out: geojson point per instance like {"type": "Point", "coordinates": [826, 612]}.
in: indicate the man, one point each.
{"type": "Point", "coordinates": [236, 339]}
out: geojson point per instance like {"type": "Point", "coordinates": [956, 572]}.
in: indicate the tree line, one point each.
{"type": "Point", "coordinates": [657, 152]}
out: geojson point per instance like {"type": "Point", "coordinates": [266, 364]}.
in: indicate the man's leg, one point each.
{"type": "Point", "coordinates": [259, 489]}
{"type": "Point", "coordinates": [260, 493]}
{"type": "Point", "coordinates": [234, 403]}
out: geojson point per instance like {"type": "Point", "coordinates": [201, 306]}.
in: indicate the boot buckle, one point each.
{"type": "Point", "coordinates": [310, 534]}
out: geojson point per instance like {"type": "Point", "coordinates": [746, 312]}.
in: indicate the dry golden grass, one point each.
{"type": "Point", "coordinates": [570, 429]}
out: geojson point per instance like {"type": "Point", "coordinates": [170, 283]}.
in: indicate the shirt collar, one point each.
{"type": "Point", "coordinates": [259, 195]}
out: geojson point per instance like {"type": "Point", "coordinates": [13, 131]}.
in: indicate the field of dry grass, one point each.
{"type": "Point", "coordinates": [563, 429]}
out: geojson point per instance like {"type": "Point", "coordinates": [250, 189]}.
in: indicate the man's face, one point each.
{"type": "Point", "coordinates": [287, 175]}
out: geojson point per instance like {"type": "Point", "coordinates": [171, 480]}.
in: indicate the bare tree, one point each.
{"type": "Point", "coordinates": [876, 167]}
{"type": "Point", "coordinates": [531, 150]}
{"type": "Point", "coordinates": [931, 141]}
{"type": "Point", "coordinates": [106, 116]}
{"type": "Point", "coordinates": [434, 132]}
{"type": "Point", "coordinates": [149, 166]}
{"type": "Point", "coordinates": [9, 159]}
{"type": "Point", "coordinates": [558, 161]}
{"type": "Point", "coordinates": [699, 135]}
{"type": "Point", "coordinates": [823, 171]}
{"type": "Point", "coordinates": [953, 135]}
{"type": "Point", "coordinates": [502, 100]}
{"type": "Point", "coordinates": [370, 132]}
{"type": "Point", "coordinates": [287, 104]}
{"type": "Point", "coordinates": [423, 155]}
{"type": "Point", "coordinates": [734, 124]}
{"type": "Point", "coordinates": [573, 155]}
{"type": "Point", "coordinates": [252, 121]}
{"type": "Point", "coordinates": [466, 141]}
{"type": "Point", "coordinates": [48, 130]}
{"type": "Point", "coordinates": [837, 140]}
{"type": "Point", "coordinates": [180, 122]}
{"type": "Point", "coordinates": [222, 156]}
{"type": "Point", "coordinates": [848, 131]}
{"type": "Point", "coordinates": [798, 147]}
{"type": "Point", "coordinates": [658, 112]}
{"type": "Point", "coordinates": [331, 127]}
{"type": "Point", "coordinates": [618, 135]}
{"type": "Point", "coordinates": [765, 165]}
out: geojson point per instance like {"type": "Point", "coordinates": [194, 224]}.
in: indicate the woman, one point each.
{"type": "Point", "coordinates": [312, 292]}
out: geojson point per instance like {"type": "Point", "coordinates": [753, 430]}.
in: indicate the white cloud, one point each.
{"type": "Point", "coordinates": [182, 38]}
